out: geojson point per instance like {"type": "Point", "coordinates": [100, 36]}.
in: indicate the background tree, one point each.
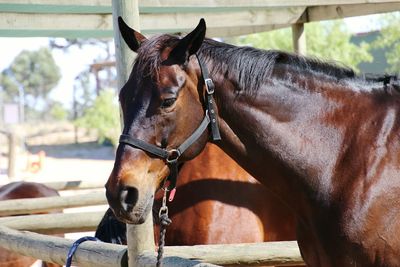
{"type": "Point", "coordinates": [103, 116]}
{"type": "Point", "coordinates": [97, 76]}
{"type": "Point", "coordinates": [326, 40]}
{"type": "Point", "coordinates": [35, 74]}
{"type": "Point", "coordinates": [389, 40]}
{"type": "Point", "coordinates": [57, 111]}
{"type": "Point", "coordinates": [103, 67]}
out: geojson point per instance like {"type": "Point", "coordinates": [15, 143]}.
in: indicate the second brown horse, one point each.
{"type": "Point", "coordinates": [218, 202]}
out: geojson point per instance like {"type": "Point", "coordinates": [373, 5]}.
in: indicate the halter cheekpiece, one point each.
{"type": "Point", "coordinates": [171, 156]}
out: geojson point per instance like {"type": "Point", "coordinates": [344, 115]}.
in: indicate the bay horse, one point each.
{"type": "Point", "coordinates": [217, 202]}
{"type": "Point", "coordinates": [324, 140]}
{"type": "Point", "coordinates": [17, 190]}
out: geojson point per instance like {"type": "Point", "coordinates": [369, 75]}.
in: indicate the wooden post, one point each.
{"type": "Point", "coordinates": [299, 39]}
{"type": "Point", "coordinates": [129, 11]}
{"type": "Point", "coordinates": [140, 237]}
{"type": "Point", "coordinates": [12, 155]}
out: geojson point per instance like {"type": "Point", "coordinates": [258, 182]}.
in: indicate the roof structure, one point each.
{"type": "Point", "coordinates": [93, 18]}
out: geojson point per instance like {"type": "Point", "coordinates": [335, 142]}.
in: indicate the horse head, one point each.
{"type": "Point", "coordinates": [162, 105]}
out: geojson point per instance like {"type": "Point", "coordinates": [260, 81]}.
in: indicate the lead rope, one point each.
{"type": "Point", "coordinates": [74, 247]}
{"type": "Point", "coordinates": [164, 222]}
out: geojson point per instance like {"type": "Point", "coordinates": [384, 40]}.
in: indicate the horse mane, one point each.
{"type": "Point", "coordinates": [251, 67]}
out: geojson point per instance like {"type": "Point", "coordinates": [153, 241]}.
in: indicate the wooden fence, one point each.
{"type": "Point", "coordinates": [14, 236]}
{"type": "Point", "coordinates": [55, 249]}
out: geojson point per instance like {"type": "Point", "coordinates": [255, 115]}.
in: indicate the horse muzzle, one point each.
{"type": "Point", "coordinates": [128, 206]}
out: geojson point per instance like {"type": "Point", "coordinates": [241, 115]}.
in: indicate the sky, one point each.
{"type": "Point", "coordinates": [77, 60]}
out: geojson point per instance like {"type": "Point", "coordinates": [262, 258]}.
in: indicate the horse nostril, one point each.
{"type": "Point", "coordinates": [129, 197]}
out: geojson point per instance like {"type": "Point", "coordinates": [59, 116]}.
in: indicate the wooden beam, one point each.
{"type": "Point", "coordinates": [211, 32]}
{"type": "Point", "coordinates": [254, 3]}
{"type": "Point", "coordinates": [150, 22]}
{"type": "Point", "coordinates": [54, 249]}
{"type": "Point", "coordinates": [236, 31]}
{"type": "Point", "coordinates": [128, 10]}
{"type": "Point", "coordinates": [55, 33]}
{"type": "Point", "coordinates": [57, 24]}
{"type": "Point", "coordinates": [197, 4]}
{"type": "Point", "coordinates": [299, 39]}
{"type": "Point", "coordinates": [343, 11]}
{"type": "Point", "coordinates": [140, 237]}
{"type": "Point", "coordinates": [219, 24]}
{"type": "Point", "coordinates": [186, 22]}
{"type": "Point", "coordinates": [45, 204]}
{"type": "Point", "coordinates": [89, 254]}
{"type": "Point", "coordinates": [148, 259]}
{"type": "Point", "coordinates": [75, 184]}
{"type": "Point", "coordinates": [249, 254]}
{"type": "Point", "coordinates": [12, 155]}
{"type": "Point", "coordinates": [155, 6]}
{"type": "Point", "coordinates": [59, 2]}
{"type": "Point", "coordinates": [55, 21]}
{"type": "Point", "coordinates": [55, 223]}
{"type": "Point", "coordinates": [24, 7]}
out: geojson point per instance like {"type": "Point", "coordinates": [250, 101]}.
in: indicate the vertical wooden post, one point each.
{"type": "Point", "coordinates": [140, 237]}
{"type": "Point", "coordinates": [12, 155]}
{"type": "Point", "coordinates": [129, 11]}
{"type": "Point", "coordinates": [299, 38]}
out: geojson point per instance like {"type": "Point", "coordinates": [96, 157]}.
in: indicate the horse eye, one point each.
{"type": "Point", "coordinates": [167, 102]}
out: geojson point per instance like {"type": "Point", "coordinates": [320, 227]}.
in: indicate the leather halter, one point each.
{"type": "Point", "coordinates": [171, 156]}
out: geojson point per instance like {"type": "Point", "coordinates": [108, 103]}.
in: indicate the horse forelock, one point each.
{"type": "Point", "coordinates": [149, 60]}
{"type": "Point", "coordinates": [147, 64]}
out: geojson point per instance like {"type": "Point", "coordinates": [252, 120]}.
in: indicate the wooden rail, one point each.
{"type": "Point", "coordinates": [45, 204]}
{"type": "Point", "coordinates": [55, 223]}
{"type": "Point", "coordinates": [249, 254]}
{"type": "Point", "coordinates": [55, 249]}
{"type": "Point", "coordinates": [75, 185]}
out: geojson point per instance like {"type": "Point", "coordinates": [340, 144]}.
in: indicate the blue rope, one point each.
{"type": "Point", "coordinates": [74, 247]}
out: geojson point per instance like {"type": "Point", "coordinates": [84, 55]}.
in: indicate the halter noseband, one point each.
{"type": "Point", "coordinates": [171, 156]}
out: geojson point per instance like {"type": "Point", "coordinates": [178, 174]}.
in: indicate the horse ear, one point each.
{"type": "Point", "coordinates": [187, 46]}
{"type": "Point", "coordinates": [131, 37]}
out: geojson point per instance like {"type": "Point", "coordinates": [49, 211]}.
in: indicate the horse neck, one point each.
{"type": "Point", "coordinates": [279, 136]}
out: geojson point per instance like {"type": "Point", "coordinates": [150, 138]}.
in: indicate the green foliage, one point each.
{"type": "Point", "coordinates": [328, 41]}
{"type": "Point", "coordinates": [9, 88]}
{"type": "Point", "coordinates": [58, 112]}
{"type": "Point", "coordinates": [35, 72]}
{"type": "Point", "coordinates": [389, 40]}
{"type": "Point", "coordinates": [279, 39]}
{"type": "Point", "coordinates": [332, 42]}
{"type": "Point", "coordinates": [103, 116]}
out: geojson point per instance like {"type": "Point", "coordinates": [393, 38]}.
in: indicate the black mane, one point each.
{"type": "Point", "coordinates": [251, 67]}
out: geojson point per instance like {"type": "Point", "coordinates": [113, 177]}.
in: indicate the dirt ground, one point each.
{"type": "Point", "coordinates": [65, 159]}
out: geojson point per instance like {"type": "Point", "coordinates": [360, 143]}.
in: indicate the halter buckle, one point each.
{"type": "Point", "coordinates": [209, 86]}
{"type": "Point", "coordinates": [173, 156]}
